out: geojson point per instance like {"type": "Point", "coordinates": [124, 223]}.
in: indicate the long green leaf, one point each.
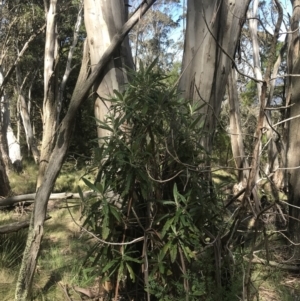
{"type": "Point", "coordinates": [166, 227]}
{"type": "Point", "coordinates": [90, 185]}
{"type": "Point", "coordinates": [131, 273]}
{"type": "Point", "coordinates": [109, 265]}
{"type": "Point", "coordinates": [173, 252]}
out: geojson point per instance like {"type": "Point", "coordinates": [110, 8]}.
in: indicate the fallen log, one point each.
{"type": "Point", "coordinates": [282, 266]}
{"type": "Point", "coordinates": [54, 196]}
{"type": "Point", "coordinates": [16, 226]}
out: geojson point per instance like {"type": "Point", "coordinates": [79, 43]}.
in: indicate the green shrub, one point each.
{"type": "Point", "coordinates": [154, 189]}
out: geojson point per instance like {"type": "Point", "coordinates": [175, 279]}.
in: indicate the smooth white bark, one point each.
{"type": "Point", "coordinates": [50, 102]}
{"type": "Point", "coordinates": [103, 19]}
{"type": "Point", "coordinates": [212, 33]}
{"type": "Point", "coordinates": [252, 15]}
{"type": "Point", "coordinates": [23, 109]}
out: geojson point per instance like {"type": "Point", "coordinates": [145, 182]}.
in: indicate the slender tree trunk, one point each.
{"type": "Point", "coordinates": [236, 135]}
{"type": "Point", "coordinates": [264, 124]}
{"type": "Point", "coordinates": [31, 143]}
{"type": "Point", "coordinates": [5, 162]}
{"type": "Point", "coordinates": [83, 85]}
{"type": "Point", "coordinates": [50, 103]}
{"type": "Point", "coordinates": [277, 146]}
{"type": "Point", "coordinates": [4, 182]}
{"type": "Point", "coordinates": [68, 68]}
{"type": "Point", "coordinates": [253, 22]}
{"type": "Point", "coordinates": [103, 19]}
{"type": "Point", "coordinates": [4, 115]}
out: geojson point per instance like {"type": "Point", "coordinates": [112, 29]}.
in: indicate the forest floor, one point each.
{"type": "Point", "coordinates": [59, 275]}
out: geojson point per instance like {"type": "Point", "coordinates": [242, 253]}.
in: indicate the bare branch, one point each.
{"type": "Point", "coordinates": [12, 68]}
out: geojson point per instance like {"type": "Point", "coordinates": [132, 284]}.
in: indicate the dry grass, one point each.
{"type": "Point", "coordinates": [63, 250]}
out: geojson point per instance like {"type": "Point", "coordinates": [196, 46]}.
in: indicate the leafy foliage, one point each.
{"type": "Point", "coordinates": [152, 190]}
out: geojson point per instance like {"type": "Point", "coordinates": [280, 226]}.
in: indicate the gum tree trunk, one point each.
{"type": "Point", "coordinates": [50, 102]}
{"type": "Point", "coordinates": [293, 99]}
{"type": "Point", "coordinates": [31, 143]}
{"type": "Point", "coordinates": [83, 85]}
{"type": "Point", "coordinates": [205, 66]}
{"type": "Point", "coordinates": [103, 19]}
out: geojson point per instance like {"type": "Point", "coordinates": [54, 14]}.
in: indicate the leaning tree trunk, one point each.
{"type": "Point", "coordinates": [213, 30]}
{"type": "Point", "coordinates": [103, 19]}
{"type": "Point", "coordinates": [83, 85]}
{"type": "Point", "coordinates": [293, 99]}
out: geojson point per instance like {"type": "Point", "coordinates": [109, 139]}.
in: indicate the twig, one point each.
{"type": "Point", "coordinates": [163, 181]}
{"type": "Point", "coordinates": [64, 288]}
{"type": "Point", "coordinates": [101, 240]}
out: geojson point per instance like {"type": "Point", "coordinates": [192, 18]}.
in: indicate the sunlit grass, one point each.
{"type": "Point", "coordinates": [63, 248]}
{"type": "Point", "coordinates": [25, 182]}
{"type": "Point", "coordinates": [62, 254]}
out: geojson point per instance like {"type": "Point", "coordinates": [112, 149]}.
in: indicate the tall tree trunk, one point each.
{"type": "Point", "coordinates": [4, 122]}
{"type": "Point", "coordinates": [205, 65]}
{"type": "Point", "coordinates": [83, 85]}
{"type": "Point", "coordinates": [4, 182]}
{"type": "Point", "coordinates": [50, 102]}
{"type": "Point", "coordinates": [212, 33]}
{"type": "Point", "coordinates": [5, 162]}
{"type": "Point", "coordinates": [68, 68]}
{"type": "Point", "coordinates": [253, 21]}
{"type": "Point", "coordinates": [31, 143]}
{"type": "Point", "coordinates": [293, 99]}
{"type": "Point", "coordinates": [277, 146]}
{"type": "Point", "coordinates": [103, 19]}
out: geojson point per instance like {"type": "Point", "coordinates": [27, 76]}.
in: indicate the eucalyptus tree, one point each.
{"type": "Point", "coordinates": [264, 97]}
{"type": "Point", "coordinates": [293, 100]}
{"type": "Point", "coordinates": [159, 35]}
{"type": "Point", "coordinates": [103, 19]}
{"type": "Point", "coordinates": [62, 141]}
{"type": "Point", "coordinates": [25, 115]}
{"type": "Point", "coordinates": [212, 33]}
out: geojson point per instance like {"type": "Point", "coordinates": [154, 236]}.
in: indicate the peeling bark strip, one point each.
{"type": "Point", "coordinates": [83, 85]}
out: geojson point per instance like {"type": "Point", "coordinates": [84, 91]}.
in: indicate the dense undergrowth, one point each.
{"type": "Point", "coordinates": [158, 221]}
{"type": "Point", "coordinates": [159, 217]}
